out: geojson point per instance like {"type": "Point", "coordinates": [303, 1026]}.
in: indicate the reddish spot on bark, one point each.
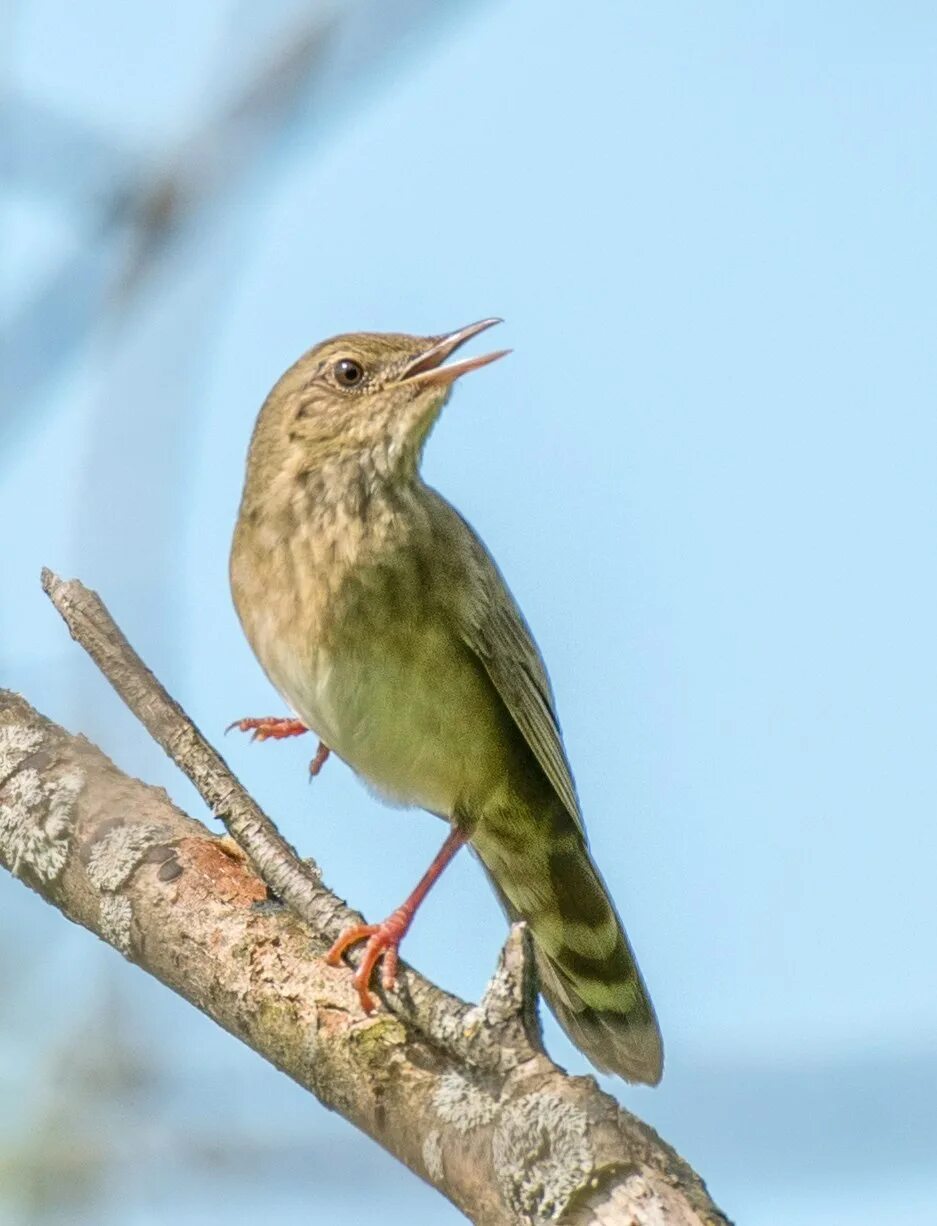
{"type": "Point", "coordinates": [219, 872]}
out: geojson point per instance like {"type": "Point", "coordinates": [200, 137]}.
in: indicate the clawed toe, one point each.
{"type": "Point", "coordinates": [317, 763]}
{"type": "Point", "coordinates": [383, 941]}
{"type": "Point", "coordinates": [269, 727]}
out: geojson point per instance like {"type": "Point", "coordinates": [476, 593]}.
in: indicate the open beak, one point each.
{"type": "Point", "coordinates": [427, 367]}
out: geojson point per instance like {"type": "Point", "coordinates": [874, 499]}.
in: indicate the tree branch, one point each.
{"type": "Point", "coordinates": [463, 1095]}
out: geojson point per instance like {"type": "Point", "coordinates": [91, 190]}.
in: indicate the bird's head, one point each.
{"type": "Point", "coordinates": [366, 396]}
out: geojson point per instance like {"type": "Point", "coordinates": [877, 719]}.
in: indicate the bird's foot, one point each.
{"type": "Point", "coordinates": [270, 727]}
{"type": "Point", "coordinates": [383, 941]}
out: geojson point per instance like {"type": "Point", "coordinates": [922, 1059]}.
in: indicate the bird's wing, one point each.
{"type": "Point", "coordinates": [493, 627]}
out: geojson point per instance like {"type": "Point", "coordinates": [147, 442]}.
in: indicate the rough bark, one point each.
{"type": "Point", "coordinates": [464, 1095]}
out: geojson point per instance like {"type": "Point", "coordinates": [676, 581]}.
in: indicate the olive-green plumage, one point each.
{"type": "Point", "coordinates": [381, 618]}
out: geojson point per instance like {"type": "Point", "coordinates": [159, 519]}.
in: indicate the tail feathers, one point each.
{"type": "Point", "coordinates": [587, 969]}
{"type": "Point", "coordinates": [620, 1035]}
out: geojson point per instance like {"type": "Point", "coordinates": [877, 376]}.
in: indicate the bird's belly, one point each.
{"type": "Point", "coordinates": [414, 716]}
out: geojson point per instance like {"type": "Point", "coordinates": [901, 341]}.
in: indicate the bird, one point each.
{"type": "Point", "coordinates": [385, 624]}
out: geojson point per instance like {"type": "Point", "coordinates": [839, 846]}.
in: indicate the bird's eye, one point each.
{"type": "Point", "coordinates": [348, 372]}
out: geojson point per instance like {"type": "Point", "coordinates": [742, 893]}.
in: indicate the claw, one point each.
{"type": "Point", "coordinates": [317, 763]}
{"type": "Point", "coordinates": [383, 941]}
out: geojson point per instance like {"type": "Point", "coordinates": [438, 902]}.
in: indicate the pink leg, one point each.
{"type": "Point", "coordinates": [383, 940]}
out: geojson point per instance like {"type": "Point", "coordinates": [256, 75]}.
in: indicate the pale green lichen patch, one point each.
{"type": "Point", "coordinates": [114, 857]}
{"type": "Point", "coordinates": [276, 1015]}
{"type": "Point", "coordinates": [116, 916]}
{"type": "Point", "coordinates": [371, 1040]}
{"type": "Point", "coordinates": [541, 1154]}
{"type": "Point", "coordinates": [432, 1155]}
{"type": "Point", "coordinates": [463, 1104]}
{"type": "Point", "coordinates": [634, 1190]}
{"type": "Point", "coordinates": [36, 815]}
{"type": "Point", "coordinates": [16, 744]}
{"type": "Point", "coordinates": [289, 1033]}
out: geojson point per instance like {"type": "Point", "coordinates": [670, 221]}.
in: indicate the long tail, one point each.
{"type": "Point", "coordinates": [587, 969]}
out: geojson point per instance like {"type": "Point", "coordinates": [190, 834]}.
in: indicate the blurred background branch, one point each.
{"type": "Point", "coordinates": [130, 208]}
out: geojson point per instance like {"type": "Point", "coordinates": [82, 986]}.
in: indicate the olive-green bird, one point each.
{"type": "Point", "coordinates": [386, 626]}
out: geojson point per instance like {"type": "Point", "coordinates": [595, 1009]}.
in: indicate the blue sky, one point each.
{"type": "Point", "coordinates": [706, 471]}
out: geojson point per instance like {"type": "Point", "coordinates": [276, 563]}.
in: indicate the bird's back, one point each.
{"type": "Point", "coordinates": [526, 826]}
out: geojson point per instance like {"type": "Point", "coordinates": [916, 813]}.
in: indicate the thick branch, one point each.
{"type": "Point", "coordinates": [510, 1140]}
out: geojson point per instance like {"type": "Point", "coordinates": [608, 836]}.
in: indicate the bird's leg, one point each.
{"type": "Point", "coordinates": [384, 939]}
